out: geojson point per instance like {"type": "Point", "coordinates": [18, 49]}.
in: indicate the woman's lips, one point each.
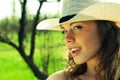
{"type": "Point", "coordinates": [74, 51]}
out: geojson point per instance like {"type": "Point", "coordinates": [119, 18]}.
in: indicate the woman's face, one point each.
{"type": "Point", "coordinates": [82, 40]}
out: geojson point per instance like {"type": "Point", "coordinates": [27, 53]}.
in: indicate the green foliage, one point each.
{"type": "Point", "coordinates": [12, 66]}
{"type": "Point", "coordinates": [51, 45]}
{"type": "Point", "coordinates": [9, 24]}
{"type": "Point", "coordinates": [48, 43]}
{"type": "Point", "coordinates": [49, 49]}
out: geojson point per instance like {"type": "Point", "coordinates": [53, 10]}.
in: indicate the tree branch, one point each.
{"type": "Point", "coordinates": [20, 1]}
{"type": "Point", "coordinates": [7, 41]}
{"type": "Point", "coordinates": [22, 24]}
{"type": "Point", "coordinates": [34, 31]}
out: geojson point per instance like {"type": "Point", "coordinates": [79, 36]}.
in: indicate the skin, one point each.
{"type": "Point", "coordinates": [84, 36]}
{"type": "Point", "coordinates": [82, 41]}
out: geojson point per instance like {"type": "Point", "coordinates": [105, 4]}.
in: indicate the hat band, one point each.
{"type": "Point", "coordinates": [66, 18]}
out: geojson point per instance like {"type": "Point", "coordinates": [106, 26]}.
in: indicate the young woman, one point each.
{"type": "Point", "coordinates": [93, 48]}
{"type": "Point", "coordinates": [92, 40]}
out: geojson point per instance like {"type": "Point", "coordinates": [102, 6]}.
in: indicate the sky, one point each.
{"type": "Point", "coordinates": [50, 7]}
{"type": "Point", "coordinates": [6, 7]}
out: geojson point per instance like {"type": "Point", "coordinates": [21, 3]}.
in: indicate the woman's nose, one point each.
{"type": "Point", "coordinates": [69, 37]}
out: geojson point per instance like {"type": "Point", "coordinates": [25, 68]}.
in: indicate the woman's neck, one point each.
{"type": "Point", "coordinates": [92, 67]}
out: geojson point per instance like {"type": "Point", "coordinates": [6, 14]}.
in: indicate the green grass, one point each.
{"type": "Point", "coordinates": [57, 59]}
{"type": "Point", "coordinates": [50, 43]}
{"type": "Point", "coordinates": [13, 67]}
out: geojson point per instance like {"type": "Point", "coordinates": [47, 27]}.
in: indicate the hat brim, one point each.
{"type": "Point", "coordinates": [100, 11]}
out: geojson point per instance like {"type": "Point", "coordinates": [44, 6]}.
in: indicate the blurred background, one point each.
{"type": "Point", "coordinates": [25, 53]}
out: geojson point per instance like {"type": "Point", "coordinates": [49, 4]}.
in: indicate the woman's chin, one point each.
{"type": "Point", "coordinates": [78, 61]}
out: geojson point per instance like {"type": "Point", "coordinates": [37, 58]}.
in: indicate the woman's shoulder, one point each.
{"type": "Point", "coordinates": [59, 75]}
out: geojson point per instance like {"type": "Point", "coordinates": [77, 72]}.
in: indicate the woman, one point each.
{"type": "Point", "coordinates": [92, 40]}
{"type": "Point", "coordinates": [93, 48]}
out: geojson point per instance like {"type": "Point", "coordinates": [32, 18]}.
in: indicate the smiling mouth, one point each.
{"type": "Point", "coordinates": [74, 51]}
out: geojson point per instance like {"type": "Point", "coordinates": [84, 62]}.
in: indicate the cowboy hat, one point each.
{"type": "Point", "coordinates": [97, 11]}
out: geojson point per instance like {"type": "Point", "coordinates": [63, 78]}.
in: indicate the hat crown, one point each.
{"type": "Point", "coordinates": [83, 10]}
{"type": "Point", "coordinates": [69, 7]}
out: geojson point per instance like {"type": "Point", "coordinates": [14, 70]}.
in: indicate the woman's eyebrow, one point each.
{"type": "Point", "coordinates": [62, 27]}
{"type": "Point", "coordinates": [73, 23]}
{"type": "Point", "coordinates": [69, 25]}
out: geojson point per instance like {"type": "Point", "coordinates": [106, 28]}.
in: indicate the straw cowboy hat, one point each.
{"type": "Point", "coordinates": [73, 11]}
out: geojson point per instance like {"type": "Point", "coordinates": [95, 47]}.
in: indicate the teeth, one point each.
{"type": "Point", "coordinates": [74, 49]}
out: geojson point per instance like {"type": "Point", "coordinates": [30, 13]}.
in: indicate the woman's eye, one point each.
{"type": "Point", "coordinates": [77, 27]}
{"type": "Point", "coordinates": [64, 31]}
